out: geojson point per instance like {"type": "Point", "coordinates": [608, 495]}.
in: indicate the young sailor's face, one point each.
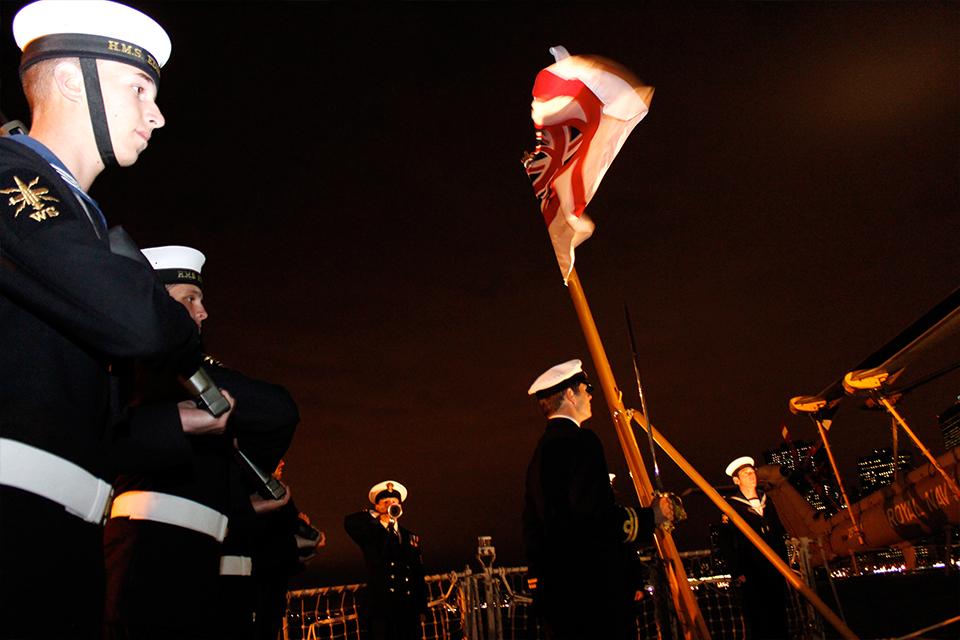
{"type": "Point", "coordinates": [747, 478]}
{"type": "Point", "coordinates": [130, 102]}
{"type": "Point", "coordinates": [190, 296]}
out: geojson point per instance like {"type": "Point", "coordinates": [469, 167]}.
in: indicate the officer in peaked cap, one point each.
{"type": "Point", "coordinates": [72, 311]}
{"type": "Point", "coordinates": [763, 588]}
{"type": "Point", "coordinates": [582, 567]}
{"type": "Point", "coordinates": [566, 373]}
{"type": "Point", "coordinates": [394, 602]}
{"type": "Point", "coordinates": [387, 489]}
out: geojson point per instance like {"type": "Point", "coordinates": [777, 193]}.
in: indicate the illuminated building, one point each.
{"type": "Point", "coordinates": [877, 469]}
{"type": "Point", "coordinates": [950, 426]}
{"type": "Point", "coordinates": [784, 457]}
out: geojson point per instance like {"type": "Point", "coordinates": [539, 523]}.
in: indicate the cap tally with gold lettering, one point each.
{"type": "Point", "coordinates": [387, 489]}
{"type": "Point", "coordinates": [550, 381]}
{"type": "Point", "coordinates": [739, 463]}
{"type": "Point", "coordinates": [175, 264]}
{"type": "Point", "coordinates": [90, 29]}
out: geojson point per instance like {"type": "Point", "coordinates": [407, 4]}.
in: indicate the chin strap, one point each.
{"type": "Point", "coordinates": [98, 115]}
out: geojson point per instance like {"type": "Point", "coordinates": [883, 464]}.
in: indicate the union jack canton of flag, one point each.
{"type": "Point", "coordinates": [584, 107]}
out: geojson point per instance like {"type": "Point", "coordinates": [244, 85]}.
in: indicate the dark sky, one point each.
{"type": "Point", "coordinates": [352, 172]}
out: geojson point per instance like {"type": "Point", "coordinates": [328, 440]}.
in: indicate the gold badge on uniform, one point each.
{"type": "Point", "coordinates": [35, 197]}
{"type": "Point", "coordinates": [414, 540]}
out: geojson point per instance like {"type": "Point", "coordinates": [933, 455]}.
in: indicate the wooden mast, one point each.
{"type": "Point", "coordinates": [694, 626]}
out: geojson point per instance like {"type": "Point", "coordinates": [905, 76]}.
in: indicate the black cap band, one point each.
{"type": "Point", "coordinates": [388, 494]}
{"type": "Point", "coordinates": [179, 276]}
{"type": "Point", "coordinates": [78, 45]}
{"type": "Point", "coordinates": [573, 382]}
{"type": "Point", "coordinates": [736, 472]}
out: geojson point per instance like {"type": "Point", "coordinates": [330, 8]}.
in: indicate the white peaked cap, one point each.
{"type": "Point", "coordinates": [734, 466]}
{"type": "Point", "coordinates": [387, 485]}
{"type": "Point", "coordinates": [555, 375]}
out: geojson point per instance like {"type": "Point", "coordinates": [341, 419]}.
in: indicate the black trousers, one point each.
{"type": "Point", "coordinates": [765, 601]}
{"type": "Point", "coordinates": [49, 561]}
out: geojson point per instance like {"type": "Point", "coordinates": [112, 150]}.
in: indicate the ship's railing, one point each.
{"type": "Point", "coordinates": [461, 605]}
{"type": "Point", "coordinates": [496, 604]}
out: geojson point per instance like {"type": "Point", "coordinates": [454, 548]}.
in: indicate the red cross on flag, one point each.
{"type": "Point", "coordinates": [584, 107]}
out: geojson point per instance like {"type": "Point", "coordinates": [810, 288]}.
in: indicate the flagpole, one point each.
{"type": "Point", "coordinates": [694, 626]}
{"type": "Point", "coordinates": [747, 530]}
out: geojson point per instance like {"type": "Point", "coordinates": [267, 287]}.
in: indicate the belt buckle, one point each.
{"type": "Point", "coordinates": [108, 508]}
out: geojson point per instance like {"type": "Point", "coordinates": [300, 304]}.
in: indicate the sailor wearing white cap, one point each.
{"type": "Point", "coordinates": [133, 48]}
{"type": "Point", "coordinates": [72, 311]}
{"type": "Point", "coordinates": [394, 602]}
{"type": "Point", "coordinates": [763, 587]}
{"type": "Point", "coordinates": [166, 542]}
{"type": "Point", "coordinates": [178, 268]}
{"type": "Point", "coordinates": [581, 564]}
{"type": "Point", "coordinates": [175, 264]}
{"type": "Point", "coordinates": [387, 489]}
{"type": "Point", "coordinates": [733, 469]}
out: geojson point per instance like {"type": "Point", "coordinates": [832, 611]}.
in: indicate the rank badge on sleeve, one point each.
{"type": "Point", "coordinates": [29, 198]}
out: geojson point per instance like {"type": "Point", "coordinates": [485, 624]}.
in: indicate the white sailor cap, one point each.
{"type": "Point", "coordinates": [739, 463]}
{"type": "Point", "coordinates": [175, 264]}
{"type": "Point", "coordinates": [90, 29]}
{"type": "Point", "coordinates": [552, 377]}
{"type": "Point", "coordinates": [387, 489]}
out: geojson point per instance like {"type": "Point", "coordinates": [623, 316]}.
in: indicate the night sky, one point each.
{"type": "Point", "coordinates": [352, 172]}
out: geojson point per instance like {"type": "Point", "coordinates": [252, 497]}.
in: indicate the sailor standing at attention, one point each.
{"type": "Point", "coordinates": [763, 588]}
{"type": "Point", "coordinates": [162, 544]}
{"type": "Point", "coordinates": [583, 569]}
{"type": "Point", "coordinates": [71, 311]}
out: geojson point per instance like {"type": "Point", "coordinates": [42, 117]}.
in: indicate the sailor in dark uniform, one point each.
{"type": "Point", "coordinates": [71, 311]}
{"type": "Point", "coordinates": [163, 540]}
{"type": "Point", "coordinates": [394, 602]}
{"type": "Point", "coordinates": [762, 585]}
{"type": "Point", "coordinates": [584, 573]}
{"type": "Point", "coordinates": [285, 545]}
{"type": "Point", "coordinates": [269, 541]}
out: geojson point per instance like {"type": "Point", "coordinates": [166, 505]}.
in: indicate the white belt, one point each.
{"type": "Point", "coordinates": [80, 492]}
{"type": "Point", "coordinates": [235, 565]}
{"type": "Point", "coordinates": [169, 509]}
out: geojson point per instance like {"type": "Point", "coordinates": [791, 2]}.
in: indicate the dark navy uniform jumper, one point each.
{"type": "Point", "coordinates": [71, 312]}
